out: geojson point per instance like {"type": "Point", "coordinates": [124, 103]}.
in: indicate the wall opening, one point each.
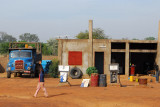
{"type": "Point", "coordinates": [148, 46]}
{"type": "Point", "coordinates": [118, 45]}
{"type": "Point", "coordinates": [99, 62]}
{"type": "Point", "coordinates": [144, 62]}
{"type": "Point", "coordinates": [119, 57]}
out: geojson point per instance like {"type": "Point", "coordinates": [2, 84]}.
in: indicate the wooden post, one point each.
{"type": "Point", "coordinates": [127, 59]}
{"type": "Point", "coordinates": [40, 48]}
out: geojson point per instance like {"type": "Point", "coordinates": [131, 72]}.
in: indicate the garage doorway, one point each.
{"type": "Point", "coordinates": [99, 62]}
{"type": "Point", "coordinates": [144, 62]}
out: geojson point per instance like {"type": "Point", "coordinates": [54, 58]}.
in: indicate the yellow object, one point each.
{"type": "Point", "coordinates": [136, 79]}
{"type": "Point", "coordinates": [26, 45]}
{"type": "Point", "coordinates": [131, 78]}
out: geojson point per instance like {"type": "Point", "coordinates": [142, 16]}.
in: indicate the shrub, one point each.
{"type": "Point", "coordinates": [91, 70]}
{"type": "Point", "coordinates": [53, 68]}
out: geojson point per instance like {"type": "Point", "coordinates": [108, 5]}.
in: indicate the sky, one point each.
{"type": "Point", "coordinates": [60, 18]}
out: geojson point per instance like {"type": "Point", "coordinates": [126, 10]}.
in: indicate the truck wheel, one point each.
{"type": "Point", "coordinates": [8, 74]}
{"type": "Point", "coordinates": [32, 75]}
{"type": "Point", "coordinates": [15, 74]}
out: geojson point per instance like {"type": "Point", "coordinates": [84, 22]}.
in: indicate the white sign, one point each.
{"type": "Point", "coordinates": [85, 82]}
{"type": "Point", "coordinates": [63, 76]}
{"type": "Point", "coordinates": [63, 68]}
{"type": "Point", "coordinates": [113, 67]}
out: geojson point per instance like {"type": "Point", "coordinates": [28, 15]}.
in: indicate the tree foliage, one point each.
{"type": "Point", "coordinates": [53, 68]}
{"type": "Point", "coordinates": [53, 46]}
{"type": "Point", "coordinates": [98, 33]}
{"type": "Point", "coordinates": [135, 39]}
{"type": "Point", "coordinates": [45, 49]}
{"type": "Point", "coordinates": [4, 48]}
{"type": "Point", "coordinates": [4, 37]}
{"type": "Point", "coordinates": [150, 38]}
{"type": "Point", "coordinates": [29, 37]}
{"type": "Point", "coordinates": [125, 38]}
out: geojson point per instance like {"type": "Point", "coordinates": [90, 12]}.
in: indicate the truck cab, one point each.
{"type": "Point", "coordinates": [23, 61]}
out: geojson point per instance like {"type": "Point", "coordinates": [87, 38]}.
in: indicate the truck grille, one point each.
{"type": "Point", "coordinates": [19, 64]}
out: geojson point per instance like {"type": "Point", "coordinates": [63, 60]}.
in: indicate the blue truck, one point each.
{"type": "Point", "coordinates": [23, 60]}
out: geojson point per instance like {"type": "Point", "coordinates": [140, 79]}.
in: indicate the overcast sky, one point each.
{"type": "Point", "coordinates": [54, 18]}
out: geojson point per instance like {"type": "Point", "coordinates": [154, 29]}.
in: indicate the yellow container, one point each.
{"type": "Point", "coordinates": [137, 79]}
{"type": "Point", "coordinates": [26, 45]}
{"type": "Point", "coordinates": [131, 78]}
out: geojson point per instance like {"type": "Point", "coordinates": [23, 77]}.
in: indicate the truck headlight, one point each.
{"type": "Point", "coordinates": [29, 68]}
{"type": "Point", "coordinates": [9, 68]}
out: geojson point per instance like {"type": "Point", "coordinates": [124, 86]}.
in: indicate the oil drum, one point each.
{"type": "Point", "coordinates": [132, 70]}
{"type": "Point", "coordinates": [142, 81]}
{"type": "Point", "coordinates": [102, 80]}
{"type": "Point", "coordinates": [94, 80]}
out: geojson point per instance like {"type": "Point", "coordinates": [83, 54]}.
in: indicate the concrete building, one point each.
{"type": "Point", "coordinates": [84, 53]}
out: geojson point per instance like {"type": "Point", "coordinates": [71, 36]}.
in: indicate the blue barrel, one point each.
{"type": "Point", "coordinates": [45, 65]}
{"type": "Point", "coordinates": [102, 80]}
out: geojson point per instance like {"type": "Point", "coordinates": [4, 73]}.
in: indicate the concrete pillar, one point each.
{"type": "Point", "coordinates": [158, 48]}
{"type": "Point", "coordinates": [159, 33]}
{"type": "Point", "coordinates": [108, 58]}
{"type": "Point", "coordinates": [60, 48]}
{"type": "Point", "coordinates": [90, 41]}
{"type": "Point", "coordinates": [90, 29]}
{"type": "Point", "coordinates": [127, 59]}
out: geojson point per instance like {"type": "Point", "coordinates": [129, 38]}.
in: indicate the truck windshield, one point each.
{"type": "Point", "coordinates": [20, 54]}
{"type": "Point", "coordinates": [15, 54]}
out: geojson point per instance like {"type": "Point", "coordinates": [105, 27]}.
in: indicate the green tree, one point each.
{"type": "Point", "coordinates": [135, 39]}
{"type": "Point", "coordinates": [124, 38]}
{"type": "Point", "coordinates": [4, 37]}
{"type": "Point", "coordinates": [4, 48]}
{"type": "Point", "coordinates": [46, 50]}
{"type": "Point", "coordinates": [53, 68]}
{"type": "Point", "coordinates": [29, 37]}
{"type": "Point", "coordinates": [150, 38]}
{"type": "Point", "coordinates": [98, 33]}
{"type": "Point", "coordinates": [53, 46]}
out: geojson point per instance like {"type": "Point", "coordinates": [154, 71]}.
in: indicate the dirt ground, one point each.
{"type": "Point", "coordinates": [18, 92]}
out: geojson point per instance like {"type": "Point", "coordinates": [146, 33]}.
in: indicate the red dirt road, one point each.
{"type": "Point", "coordinates": [18, 92]}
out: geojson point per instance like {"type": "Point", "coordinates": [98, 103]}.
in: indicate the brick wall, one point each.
{"type": "Point", "coordinates": [4, 60]}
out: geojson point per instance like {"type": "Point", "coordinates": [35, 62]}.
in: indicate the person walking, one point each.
{"type": "Point", "coordinates": [41, 81]}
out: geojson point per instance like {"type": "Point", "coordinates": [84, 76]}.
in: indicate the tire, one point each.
{"type": "Point", "coordinates": [15, 74]}
{"type": "Point", "coordinates": [75, 73]}
{"type": "Point", "coordinates": [8, 74]}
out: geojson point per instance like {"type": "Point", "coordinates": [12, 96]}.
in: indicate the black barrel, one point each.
{"type": "Point", "coordinates": [157, 73]}
{"type": "Point", "coordinates": [102, 80]}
